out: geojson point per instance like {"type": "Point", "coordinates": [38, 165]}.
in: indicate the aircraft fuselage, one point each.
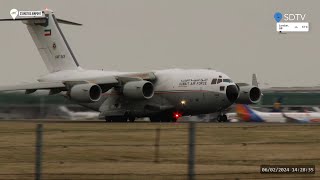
{"type": "Point", "coordinates": [187, 91]}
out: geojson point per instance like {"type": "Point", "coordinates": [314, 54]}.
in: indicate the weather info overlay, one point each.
{"type": "Point", "coordinates": [291, 22]}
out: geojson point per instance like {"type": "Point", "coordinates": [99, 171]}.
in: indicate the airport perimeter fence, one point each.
{"type": "Point", "coordinates": [55, 151]}
{"type": "Point", "coordinates": [45, 149]}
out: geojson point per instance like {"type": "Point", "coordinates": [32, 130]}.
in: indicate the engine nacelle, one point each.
{"type": "Point", "coordinates": [138, 90]}
{"type": "Point", "coordinates": [249, 95]}
{"type": "Point", "coordinates": [85, 93]}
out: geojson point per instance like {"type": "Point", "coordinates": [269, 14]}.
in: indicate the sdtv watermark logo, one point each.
{"type": "Point", "coordinates": [291, 22]}
{"type": "Point", "coordinates": [289, 17]}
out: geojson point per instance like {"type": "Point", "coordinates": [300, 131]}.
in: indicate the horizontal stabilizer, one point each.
{"type": "Point", "coordinates": [62, 21]}
{"type": "Point", "coordinates": [22, 19]}
{"type": "Point", "coordinates": [68, 22]}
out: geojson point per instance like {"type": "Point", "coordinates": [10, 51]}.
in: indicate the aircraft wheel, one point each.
{"type": "Point", "coordinates": [224, 118]}
{"type": "Point", "coordinates": [155, 119]}
{"type": "Point", "coordinates": [131, 118]}
{"type": "Point", "coordinates": [162, 118]}
{"type": "Point", "coordinates": [219, 118]}
{"type": "Point", "coordinates": [167, 119]}
{"type": "Point", "coordinates": [107, 119]}
{"type": "Point", "coordinates": [116, 119]}
{"type": "Point", "coordinates": [171, 119]}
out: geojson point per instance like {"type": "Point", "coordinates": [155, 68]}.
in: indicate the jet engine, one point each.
{"type": "Point", "coordinates": [138, 90]}
{"type": "Point", "coordinates": [248, 95]}
{"type": "Point", "coordinates": [85, 93]}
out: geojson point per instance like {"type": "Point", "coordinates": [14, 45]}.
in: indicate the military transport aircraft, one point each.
{"type": "Point", "coordinates": [163, 95]}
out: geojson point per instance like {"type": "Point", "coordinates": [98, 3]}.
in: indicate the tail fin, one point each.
{"type": "Point", "coordinates": [247, 114]}
{"type": "Point", "coordinates": [277, 105]}
{"type": "Point", "coordinates": [255, 80]}
{"type": "Point", "coordinates": [50, 41]}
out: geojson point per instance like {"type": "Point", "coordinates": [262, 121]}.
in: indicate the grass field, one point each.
{"type": "Point", "coordinates": [126, 151]}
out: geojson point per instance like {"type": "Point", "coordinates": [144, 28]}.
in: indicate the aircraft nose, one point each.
{"type": "Point", "coordinates": [232, 93]}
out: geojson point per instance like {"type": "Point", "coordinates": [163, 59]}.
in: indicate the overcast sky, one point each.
{"type": "Point", "coordinates": [236, 37]}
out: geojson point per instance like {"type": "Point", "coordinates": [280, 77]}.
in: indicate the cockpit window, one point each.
{"type": "Point", "coordinates": [227, 80]}
{"type": "Point", "coordinates": [214, 81]}
{"type": "Point", "coordinates": [219, 81]}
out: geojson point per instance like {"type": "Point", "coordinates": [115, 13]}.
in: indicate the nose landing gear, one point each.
{"type": "Point", "coordinates": [222, 118]}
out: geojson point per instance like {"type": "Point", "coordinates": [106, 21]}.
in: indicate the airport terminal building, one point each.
{"type": "Point", "coordinates": [293, 96]}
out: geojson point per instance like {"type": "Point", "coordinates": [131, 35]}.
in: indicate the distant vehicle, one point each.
{"type": "Point", "coordinates": [245, 113]}
{"type": "Point", "coordinates": [162, 95]}
{"type": "Point", "coordinates": [78, 115]}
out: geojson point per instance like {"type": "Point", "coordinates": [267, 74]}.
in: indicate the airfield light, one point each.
{"type": "Point", "coordinates": [183, 102]}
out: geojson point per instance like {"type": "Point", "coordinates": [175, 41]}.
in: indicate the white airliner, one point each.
{"type": "Point", "coordinates": [245, 113]}
{"type": "Point", "coordinates": [163, 95]}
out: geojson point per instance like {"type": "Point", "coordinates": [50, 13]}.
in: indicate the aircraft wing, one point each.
{"type": "Point", "coordinates": [107, 82]}
{"type": "Point", "coordinates": [242, 84]}
{"type": "Point", "coordinates": [62, 21]}
{"type": "Point", "coordinates": [35, 85]}
{"type": "Point", "coordinates": [149, 76]}
{"type": "Point", "coordinates": [290, 119]}
{"type": "Point", "coordinates": [60, 86]}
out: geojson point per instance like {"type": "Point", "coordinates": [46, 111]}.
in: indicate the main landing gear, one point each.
{"type": "Point", "coordinates": [162, 119]}
{"type": "Point", "coordinates": [119, 118]}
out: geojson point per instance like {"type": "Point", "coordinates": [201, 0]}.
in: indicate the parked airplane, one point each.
{"type": "Point", "coordinates": [245, 113]}
{"type": "Point", "coordinates": [163, 95]}
{"type": "Point", "coordinates": [78, 115]}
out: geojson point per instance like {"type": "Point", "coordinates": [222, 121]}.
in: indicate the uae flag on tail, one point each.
{"type": "Point", "coordinates": [47, 32]}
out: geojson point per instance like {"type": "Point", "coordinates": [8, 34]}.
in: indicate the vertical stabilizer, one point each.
{"type": "Point", "coordinates": [255, 80]}
{"type": "Point", "coordinates": [51, 43]}
{"type": "Point", "coordinates": [247, 114]}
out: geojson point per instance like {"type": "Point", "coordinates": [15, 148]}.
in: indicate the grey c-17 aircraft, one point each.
{"type": "Point", "coordinates": [161, 95]}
